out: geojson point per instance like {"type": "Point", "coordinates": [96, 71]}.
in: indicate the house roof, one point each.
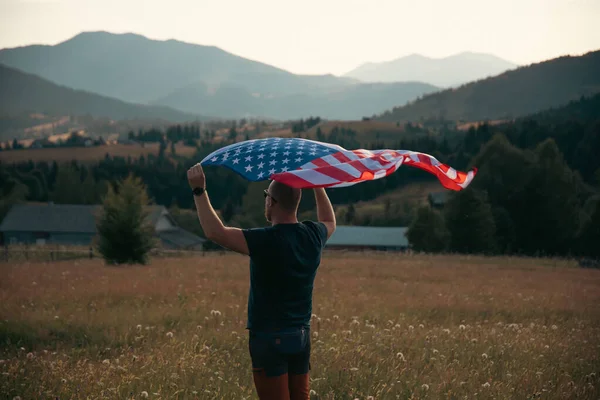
{"type": "Point", "coordinates": [47, 217]}
{"type": "Point", "coordinates": [180, 238]}
{"type": "Point", "coordinates": [369, 236]}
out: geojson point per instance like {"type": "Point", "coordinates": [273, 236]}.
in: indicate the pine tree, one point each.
{"type": "Point", "coordinates": [428, 232]}
{"type": "Point", "coordinates": [125, 236]}
{"type": "Point", "coordinates": [470, 221]}
{"type": "Point", "coordinates": [66, 188]}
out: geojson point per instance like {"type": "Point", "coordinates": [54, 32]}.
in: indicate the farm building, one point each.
{"type": "Point", "coordinates": [369, 238]}
{"type": "Point", "coordinates": [67, 224]}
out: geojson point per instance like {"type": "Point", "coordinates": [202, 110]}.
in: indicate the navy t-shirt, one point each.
{"type": "Point", "coordinates": [283, 264]}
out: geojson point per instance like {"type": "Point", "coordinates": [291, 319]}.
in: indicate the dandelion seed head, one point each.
{"type": "Point", "coordinates": [139, 327]}
{"type": "Point", "coordinates": [169, 334]}
{"type": "Point", "coordinates": [462, 327]}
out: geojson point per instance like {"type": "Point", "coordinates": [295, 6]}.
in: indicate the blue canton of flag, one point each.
{"type": "Point", "coordinates": [258, 159]}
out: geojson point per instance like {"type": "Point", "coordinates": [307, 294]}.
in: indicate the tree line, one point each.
{"type": "Point", "coordinates": [536, 192]}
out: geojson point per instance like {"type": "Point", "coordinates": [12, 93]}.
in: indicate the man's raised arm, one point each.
{"type": "Point", "coordinates": [231, 238]}
{"type": "Point", "coordinates": [325, 213]}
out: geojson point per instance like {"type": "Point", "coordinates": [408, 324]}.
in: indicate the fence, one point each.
{"type": "Point", "coordinates": [48, 253]}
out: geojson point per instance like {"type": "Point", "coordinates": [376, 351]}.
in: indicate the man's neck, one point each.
{"type": "Point", "coordinates": [288, 219]}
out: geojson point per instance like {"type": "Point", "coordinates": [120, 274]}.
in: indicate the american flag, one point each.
{"type": "Point", "coordinates": [304, 163]}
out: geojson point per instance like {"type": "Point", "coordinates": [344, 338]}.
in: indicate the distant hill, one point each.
{"type": "Point", "coordinates": [445, 72]}
{"type": "Point", "coordinates": [21, 92]}
{"type": "Point", "coordinates": [350, 102]}
{"type": "Point", "coordinates": [514, 93]}
{"type": "Point", "coordinates": [201, 79]}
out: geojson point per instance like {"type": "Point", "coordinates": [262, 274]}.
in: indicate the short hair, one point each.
{"type": "Point", "coordinates": [286, 196]}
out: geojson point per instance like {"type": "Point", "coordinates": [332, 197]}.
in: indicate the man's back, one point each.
{"type": "Point", "coordinates": [284, 259]}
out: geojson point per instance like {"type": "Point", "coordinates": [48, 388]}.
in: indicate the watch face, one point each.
{"type": "Point", "coordinates": [198, 191]}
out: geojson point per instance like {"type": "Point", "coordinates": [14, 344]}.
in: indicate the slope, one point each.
{"type": "Point", "coordinates": [514, 93]}
{"type": "Point", "coordinates": [21, 92]}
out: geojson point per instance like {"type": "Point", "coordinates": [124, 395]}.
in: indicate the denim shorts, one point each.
{"type": "Point", "coordinates": [278, 352]}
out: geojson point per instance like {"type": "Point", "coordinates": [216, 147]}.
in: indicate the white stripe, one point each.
{"type": "Point", "coordinates": [331, 160]}
{"type": "Point", "coordinates": [468, 180]}
{"type": "Point", "coordinates": [351, 155]}
{"type": "Point", "coordinates": [370, 164]}
{"type": "Point", "coordinates": [344, 184]}
{"type": "Point", "coordinates": [349, 169]}
{"type": "Point", "coordinates": [380, 174]}
{"type": "Point", "coordinates": [314, 177]}
{"type": "Point", "coordinates": [451, 173]}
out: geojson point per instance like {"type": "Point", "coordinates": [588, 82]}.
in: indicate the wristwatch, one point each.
{"type": "Point", "coordinates": [198, 191]}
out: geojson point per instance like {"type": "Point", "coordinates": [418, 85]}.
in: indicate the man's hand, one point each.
{"type": "Point", "coordinates": [196, 177]}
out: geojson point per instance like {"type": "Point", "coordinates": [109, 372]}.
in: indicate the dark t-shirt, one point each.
{"type": "Point", "coordinates": [283, 264]}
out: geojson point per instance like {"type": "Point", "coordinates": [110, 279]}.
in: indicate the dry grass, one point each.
{"type": "Point", "coordinates": [387, 326]}
{"type": "Point", "coordinates": [89, 154]}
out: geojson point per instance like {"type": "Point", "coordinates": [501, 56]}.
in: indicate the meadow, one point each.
{"type": "Point", "coordinates": [384, 326]}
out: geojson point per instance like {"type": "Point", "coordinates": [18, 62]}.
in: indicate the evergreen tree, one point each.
{"type": "Point", "coordinates": [470, 221]}
{"type": "Point", "coordinates": [67, 188]}
{"type": "Point", "coordinates": [428, 231]}
{"type": "Point", "coordinates": [589, 237]}
{"type": "Point", "coordinates": [125, 235]}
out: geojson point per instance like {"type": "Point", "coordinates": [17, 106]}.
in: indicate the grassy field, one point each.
{"type": "Point", "coordinates": [89, 154]}
{"type": "Point", "coordinates": [385, 326]}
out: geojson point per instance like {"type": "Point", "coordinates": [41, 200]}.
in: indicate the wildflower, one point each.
{"type": "Point", "coordinates": [332, 349]}
{"type": "Point", "coordinates": [106, 362]}
{"type": "Point", "coordinates": [353, 369]}
{"type": "Point", "coordinates": [410, 327]}
{"type": "Point", "coordinates": [30, 356]}
{"type": "Point", "coordinates": [335, 317]}
{"type": "Point", "coordinates": [198, 326]}
{"type": "Point", "coordinates": [370, 326]}
{"type": "Point", "coordinates": [313, 316]}
{"type": "Point", "coordinates": [316, 334]}
{"type": "Point", "coordinates": [169, 334]}
{"type": "Point", "coordinates": [17, 398]}
{"type": "Point", "coordinates": [313, 393]}
{"type": "Point", "coordinates": [346, 333]}
{"type": "Point", "coordinates": [486, 385]}
{"type": "Point", "coordinates": [215, 313]}
{"type": "Point", "coordinates": [473, 340]}
{"type": "Point", "coordinates": [546, 347]}
{"type": "Point", "coordinates": [370, 398]}
{"type": "Point", "coordinates": [401, 356]}
{"type": "Point", "coordinates": [463, 383]}
{"type": "Point", "coordinates": [63, 380]}
{"type": "Point", "coordinates": [139, 327]}
{"type": "Point", "coordinates": [56, 317]}
{"type": "Point", "coordinates": [355, 322]}
{"type": "Point", "coordinates": [446, 331]}
{"type": "Point", "coordinates": [462, 327]}
{"type": "Point", "coordinates": [397, 326]}
{"type": "Point", "coordinates": [484, 356]}
{"type": "Point", "coordinates": [421, 326]}
{"type": "Point", "coordinates": [435, 351]}
{"type": "Point", "coordinates": [144, 394]}
{"type": "Point", "coordinates": [333, 336]}
{"type": "Point", "coordinates": [425, 386]}
{"type": "Point", "coordinates": [554, 327]}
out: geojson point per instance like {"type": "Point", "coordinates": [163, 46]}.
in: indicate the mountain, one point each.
{"type": "Point", "coordinates": [514, 93]}
{"type": "Point", "coordinates": [201, 79]}
{"type": "Point", "coordinates": [349, 102]}
{"type": "Point", "coordinates": [21, 92]}
{"type": "Point", "coordinates": [134, 68]}
{"type": "Point", "coordinates": [449, 71]}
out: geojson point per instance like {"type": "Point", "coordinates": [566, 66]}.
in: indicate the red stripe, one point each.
{"type": "Point", "coordinates": [293, 180]}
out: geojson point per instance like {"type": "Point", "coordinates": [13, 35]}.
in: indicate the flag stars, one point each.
{"type": "Point", "coordinates": [249, 168]}
{"type": "Point", "coordinates": [261, 156]}
{"type": "Point", "coordinates": [272, 171]}
{"type": "Point", "coordinates": [272, 162]}
{"type": "Point", "coordinates": [236, 160]}
{"type": "Point", "coordinates": [260, 175]}
{"type": "Point", "coordinates": [298, 159]}
{"type": "Point", "coordinates": [274, 154]}
{"type": "Point", "coordinates": [313, 153]}
{"type": "Point", "coordinates": [284, 169]}
{"type": "Point", "coordinates": [214, 159]}
{"type": "Point", "coordinates": [249, 158]}
{"type": "Point", "coordinates": [285, 161]}
{"type": "Point", "coordinates": [286, 153]}
{"type": "Point", "coordinates": [299, 153]}
{"type": "Point", "coordinates": [260, 165]}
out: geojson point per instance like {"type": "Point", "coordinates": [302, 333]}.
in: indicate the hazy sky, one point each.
{"type": "Point", "coordinates": [322, 36]}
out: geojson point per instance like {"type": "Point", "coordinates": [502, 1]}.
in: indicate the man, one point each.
{"type": "Point", "coordinates": [283, 263]}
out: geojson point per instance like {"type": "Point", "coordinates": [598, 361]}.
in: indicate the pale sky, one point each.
{"type": "Point", "coordinates": [322, 36]}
